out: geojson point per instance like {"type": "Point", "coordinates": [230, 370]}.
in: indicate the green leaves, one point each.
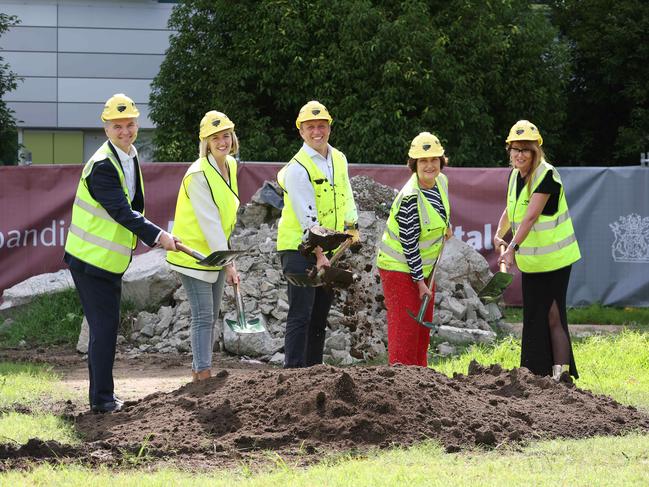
{"type": "Point", "coordinates": [386, 70]}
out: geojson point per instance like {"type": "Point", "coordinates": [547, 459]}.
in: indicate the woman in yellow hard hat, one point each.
{"type": "Point", "coordinates": [544, 247]}
{"type": "Point", "coordinates": [417, 225]}
{"type": "Point", "coordinates": [206, 213]}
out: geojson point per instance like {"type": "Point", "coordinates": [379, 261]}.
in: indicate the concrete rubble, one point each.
{"type": "Point", "coordinates": [357, 321]}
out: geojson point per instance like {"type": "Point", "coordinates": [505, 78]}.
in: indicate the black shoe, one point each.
{"type": "Point", "coordinates": [107, 407]}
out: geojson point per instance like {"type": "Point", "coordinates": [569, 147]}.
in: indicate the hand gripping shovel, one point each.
{"type": "Point", "coordinates": [426, 301]}
{"type": "Point", "coordinates": [218, 258]}
{"type": "Point", "coordinates": [497, 284]}
{"type": "Point", "coordinates": [241, 324]}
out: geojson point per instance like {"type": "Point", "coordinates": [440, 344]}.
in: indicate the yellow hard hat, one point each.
{"type": "Point", "coordinates": [314, 110]}
{"type": "Point", "coordinates": [214, 122]}
{"type": "Point", "coordinates": [524, 130]}
{"type": "Point", "coordinates": [425, 145]}
{"type": "Point", "coordinates": [119, 106]}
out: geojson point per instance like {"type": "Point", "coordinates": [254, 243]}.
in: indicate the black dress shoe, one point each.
{"type": "Point", "coordinates": [107, 407]}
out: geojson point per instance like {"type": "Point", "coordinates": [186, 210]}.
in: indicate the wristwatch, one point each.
{"type": "Point", "coordinates": [516, 247]}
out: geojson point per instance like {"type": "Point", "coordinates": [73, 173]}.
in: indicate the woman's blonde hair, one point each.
{"type": "Point", "coordinates": [538, 156]}
{"type": "Point", "coordinates": [203, 145]}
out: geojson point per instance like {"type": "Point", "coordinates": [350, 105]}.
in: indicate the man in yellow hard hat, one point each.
{"type": "Point", "coordinates": [107, 220]}
{"type": "Point", "coordinates": [316, 192]}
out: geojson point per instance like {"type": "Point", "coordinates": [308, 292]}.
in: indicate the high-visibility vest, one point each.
{"type": "Point", "coordinates": [186, 226]}
{"type": "Point", "coordinates": [330, 200]}
{"type": "Point", "coordinates": [94, 237]}
{"type": "Point", "coordinates": [551, 243]}
{"type": "Point", "coordinates": [433, 228]}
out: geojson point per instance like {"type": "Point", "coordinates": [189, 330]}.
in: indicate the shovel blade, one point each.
{"type": "Point", "coordinates": [338, 278]}
{"type": "Point", "coordinates": [495, 287]}
{"type": "Point", "coordinates": [249, 326]}
{"type": "Point", "coordinates": [302, 280]}
{"type": "Point", "coordinates": [221, 258]}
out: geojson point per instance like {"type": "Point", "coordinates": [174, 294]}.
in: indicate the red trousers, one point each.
{"type": "Point", "coordinates": [408, 341]}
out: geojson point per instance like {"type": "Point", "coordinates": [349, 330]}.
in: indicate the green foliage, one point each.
{"type": "Point", "coordinates": [386, 70]}
{"type": "Point", "coordinates": [608, 104]}
{"type": "Point", "coordinates": [8, 131]}
{"type": "Point", "coordinates": [594, 314]}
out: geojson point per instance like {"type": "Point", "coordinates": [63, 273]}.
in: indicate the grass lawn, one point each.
{"type": "Point", "coordinates": [614, 365]}
{"type": "Point", "coordinates": [595, 314]}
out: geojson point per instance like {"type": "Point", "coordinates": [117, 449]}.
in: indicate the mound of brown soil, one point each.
{"type": "Point", "coordinates": [326, 408]}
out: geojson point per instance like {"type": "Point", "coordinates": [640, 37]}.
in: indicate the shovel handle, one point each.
{"type": "Point", "coordinates": [503, 266]}
{"type": "Point", "coordinates": [332, 260]}
{"type": "Point", "coordinates": [241, 313]}
{"type": "Point", "coordinates": [194, 253]}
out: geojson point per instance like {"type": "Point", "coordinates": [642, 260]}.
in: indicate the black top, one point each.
{"type": "Point", "coordinates": [105, 187]}
{"type": "Point", "coordinates": [547, 186]}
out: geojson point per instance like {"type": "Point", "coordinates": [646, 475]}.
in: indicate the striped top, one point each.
{"type": "Point", "coordinates": [410, 228]}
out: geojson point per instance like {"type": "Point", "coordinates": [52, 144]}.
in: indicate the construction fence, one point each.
{"type": "Point", "coordinates": [609, 208]}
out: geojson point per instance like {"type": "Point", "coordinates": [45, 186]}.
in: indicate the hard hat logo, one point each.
{"type": "Point", "coordinates": [121, 108]}
{"type": "Point", "coordinates": [520, 131]}
{"type": "Point", "coordinates": [216, 123]}
{"type": "Point", "coordinates": [426, 146]}
{"type": "Point", "coordinates": [315, 112]}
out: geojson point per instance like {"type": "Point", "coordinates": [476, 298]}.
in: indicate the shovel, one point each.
{"type": "Point", "coordinates": [322, 237]}
{"type": "Point", "coordinates": [327, 276]}
{"type": "Point", "coordinates": [426, 301]}
{"type": "Point", "coordinates": [497, 284]}
{"type": "Point", "coordinates": [218, 258]}
{"type": "Point", "coordinates": [241, 324]}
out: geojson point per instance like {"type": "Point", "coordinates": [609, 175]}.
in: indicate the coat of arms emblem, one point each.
{"type": "Point", "coordinates": [631, 242]}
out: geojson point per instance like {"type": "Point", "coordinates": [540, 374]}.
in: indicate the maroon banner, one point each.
{"type": "Point", "coordinates": [36, 203]}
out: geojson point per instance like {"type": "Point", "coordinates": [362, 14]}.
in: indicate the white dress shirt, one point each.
{"type": "Point", "coordinates": [128, 165]}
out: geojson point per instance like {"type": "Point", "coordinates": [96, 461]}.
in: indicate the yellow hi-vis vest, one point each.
{"type": "Point", "coordinates": [433, 229]}
{"type": "Point", "coordinates": [330, 200]}
{"type": "Point", "coordinates": [186, 226]}
{"type": "Point", "coordinates": [551, 243]}
{"type": "Point", "coordinates": [94, 237]}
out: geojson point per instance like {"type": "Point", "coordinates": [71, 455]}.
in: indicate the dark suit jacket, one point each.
{"type": "Point", "coordinates": [104, 186]}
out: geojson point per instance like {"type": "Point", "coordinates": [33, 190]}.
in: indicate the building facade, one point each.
{"type": "Point", "coordinates": [72, 56]}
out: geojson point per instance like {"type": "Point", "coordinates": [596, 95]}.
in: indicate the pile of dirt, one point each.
{"type": "Point", "coordinates": [326, 409]}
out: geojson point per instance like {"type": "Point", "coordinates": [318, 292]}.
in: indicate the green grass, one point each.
{"type": "Point", "coordinates": [48, 320]}
{"type": "Point", "coordinates": [616, 365]}
{"type": "Point", "coordinates": [590, 462]}
{"type": "Point", "coordinates": [27, 385]}
{"type": "Point", "coordinates": [19, 427]}
{"type": "Point", "coordinates": [595, 314]}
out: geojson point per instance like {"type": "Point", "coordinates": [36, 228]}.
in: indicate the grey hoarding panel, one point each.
{"type": "Point", "coordinates": [33, 89]}
{"type": "Point", "coordinates": [113, 40]}
{"type": "Point", "coordinates": [131, 66]}
{"type": "Point", "coordinates": [120, 16]}
{"type": "Point", "coordinates": [34, 115]}
{"type": "Point", "coordinates": [84, 90]}
{"type": "Point", "coordinates": [30, 39]}
{"type": "Point", "coordinates": [610, 212]}
{"type": "Point", "coordinates": [31, 63]}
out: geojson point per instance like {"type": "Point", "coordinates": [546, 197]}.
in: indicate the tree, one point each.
{"type": "Point", "coordinates": [386, 70]}
{"type": "Point", "coordinates": [608, 97]}
{"type": "Point", "coordinates": [8, 131]}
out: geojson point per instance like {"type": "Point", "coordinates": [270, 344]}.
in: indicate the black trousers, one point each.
{"type": "Point", "coordinates": [307, 315]}
{"type": "Point", "coordinates": [100, 299]}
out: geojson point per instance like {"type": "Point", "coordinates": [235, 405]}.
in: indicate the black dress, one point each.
{"type": "Point", "coordinates": [540, 290]}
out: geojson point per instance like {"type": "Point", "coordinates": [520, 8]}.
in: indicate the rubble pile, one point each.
{"type": "Point", "coordinates": [357, 321]}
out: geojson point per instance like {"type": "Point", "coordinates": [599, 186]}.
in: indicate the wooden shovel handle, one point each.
{"type": "Point", "coordinates": [503, 266]}
{"type": "Point", "coordinates": [194, 253]}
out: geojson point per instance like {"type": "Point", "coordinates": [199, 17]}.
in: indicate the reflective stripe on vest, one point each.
{"type": "Point", "coordinates": [330, 200]}
{"type": "Point", "coordinates": [551, 243]}
{"type": "Point", "coordinates": [93, 236]}
{"type": "Point", "coordinates": [186, 225]}
{"type": "Point", "coordinates": [433, 229]}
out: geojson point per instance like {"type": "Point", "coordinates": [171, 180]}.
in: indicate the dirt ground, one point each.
{"type": "Point", "coordinates": [303, 415]}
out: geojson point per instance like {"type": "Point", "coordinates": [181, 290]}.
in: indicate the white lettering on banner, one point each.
{"type": "Point", "coordinates": [631, 243]}
{"type": "Point", "coordinates": [474, 238]}
{"type": "Point", "coordinates": [50, 236]}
